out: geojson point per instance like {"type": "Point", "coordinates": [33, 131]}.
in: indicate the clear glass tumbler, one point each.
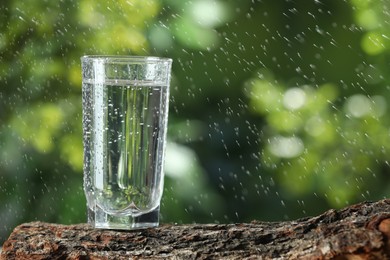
{"type": "Point", "coordinates": [125, 113]}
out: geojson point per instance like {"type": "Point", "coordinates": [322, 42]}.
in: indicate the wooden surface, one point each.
{"type": "Point", "coordinates": [360, 231]}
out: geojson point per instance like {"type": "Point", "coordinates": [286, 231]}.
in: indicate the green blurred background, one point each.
{"type": "Point", "coordinates": [278, 108]}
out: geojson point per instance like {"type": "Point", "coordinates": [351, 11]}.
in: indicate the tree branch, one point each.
{"type": "Point", "coordinates": [361, 231]}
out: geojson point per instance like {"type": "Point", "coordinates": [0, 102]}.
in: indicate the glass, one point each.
{"type": "Point", "coordinates": [125, 113]}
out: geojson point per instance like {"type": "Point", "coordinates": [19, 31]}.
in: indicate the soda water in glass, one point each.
{"type": "Point", "coordinates": [125, 113]}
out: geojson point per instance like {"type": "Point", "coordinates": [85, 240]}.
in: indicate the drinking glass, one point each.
{"type": "Point", "coordinates": [125, 112]}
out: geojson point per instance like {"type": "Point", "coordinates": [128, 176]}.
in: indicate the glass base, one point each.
{"type": "Point", "coordinates": [100, 219]}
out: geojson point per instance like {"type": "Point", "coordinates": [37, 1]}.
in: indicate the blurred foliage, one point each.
{"type": "Point", "coordinates": [278, 108]}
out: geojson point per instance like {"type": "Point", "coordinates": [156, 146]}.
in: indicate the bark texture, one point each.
{"type": "Point", "coordinates": [360, 231]}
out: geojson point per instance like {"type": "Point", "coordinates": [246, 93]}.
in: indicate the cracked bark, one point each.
{"type": "Point", "coordinates": [360, 231]}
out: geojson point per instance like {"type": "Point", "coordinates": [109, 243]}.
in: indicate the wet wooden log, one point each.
{"type": "Point", "coordinates": [360, 231]}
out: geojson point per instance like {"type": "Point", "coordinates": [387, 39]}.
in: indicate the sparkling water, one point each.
{"type": "Point", "coordinates": [124, 125]}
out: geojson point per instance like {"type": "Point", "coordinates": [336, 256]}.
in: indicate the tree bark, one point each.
{"type": "Point", "coordinates": [361, 231]}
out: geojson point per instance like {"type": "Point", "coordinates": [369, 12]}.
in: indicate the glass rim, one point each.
{"type": "Point", "coordinates": [125, 58]}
